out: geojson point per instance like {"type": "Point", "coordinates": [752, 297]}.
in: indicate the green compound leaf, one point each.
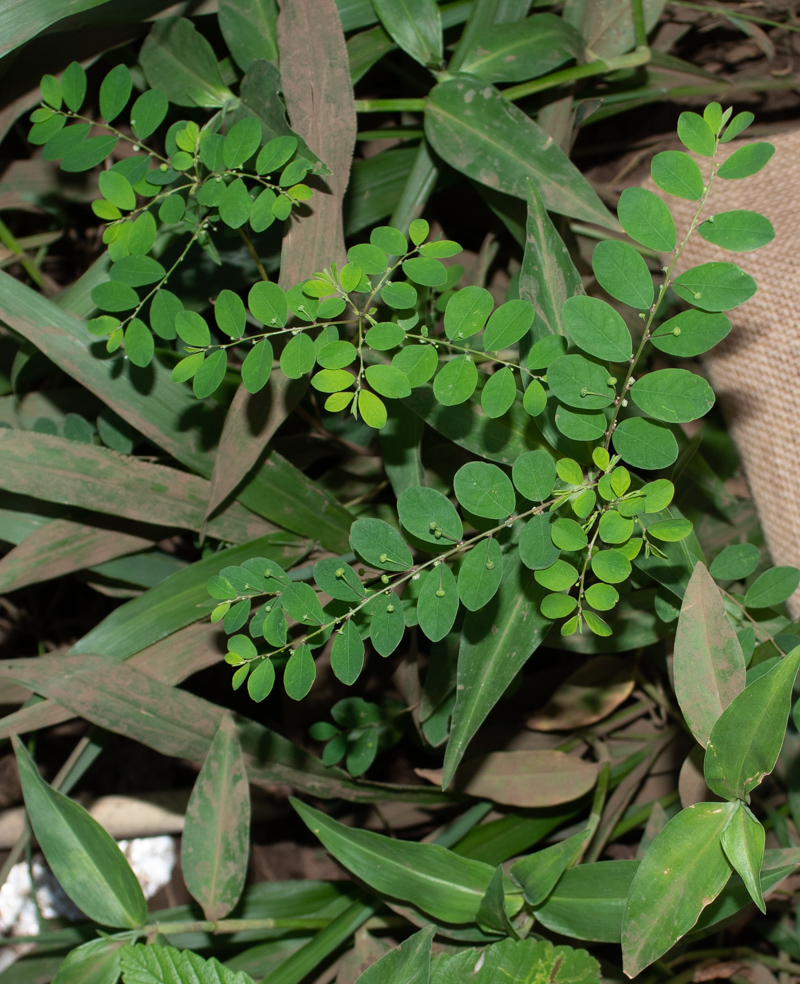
{"type": "Point", "coordinates": [216, 836]}
{"type": "Point", "coordinates": [746, 740]}
{"type": "Point", "coordinates": [568, 535]}
{"type": "Point", "coordinates": [534, 475]}
{"type": "Point", "coordinates": [156, 964]}
{"type": "Point", "coordinates": [139, 346]}
{"type": "Point", "coordinates": [739, 231]}
{"type": "Point", "coordinates": [673, 395]}
{"type": "Point", "coordinates": [116, 188]}
{"type": "Point", "coordinates": [601, 597]}
{"type": "Point", "coordinates": [536, 548]}
{"type": "Point", "coordinates": [242, 646]}
{"type": "Point", "coordinates": [622, 271]}
{"type": "Point", "coordinates": [399, 296]}
{"type": "Point", "coordinates": [691, 333]}
{"type": "Point", "coordinates": [735, 562]}
{"type": "Point", "coordinates": [301, 602]}
{"type": "Point", "coordinates": [467, 311]}
{"type": "Point", "coordinates": [518, 962]}
{"type": "Point", "coordinates": [262, 214]}
{"type": "Point", "coordinates": [581, 425]}
{"type": "Point", "coordinates": [696, 135]}
{"type": "Point", "coordinates": [73, 86]}
{"type": "Point", "coordinates": [347, 653]}
{"type": "Point", "coordinates": [646, 218]}
{"type": "Point", "coordinates": [66, 140]}
{"type": "Point", "coordinates": [746, 161]}
{"type": "Point", "coordinates": [614, 528]}
{"type": "Point", "coordinates": [683, 871]}
{"type": "Point", "coordinates": [299, 673]}
{"type": "Point", "coordinates": [425, 271]}
{"type": "Point", "coordinates": [507, 325]}
{"type": "Point", "coordinates": [114, 297]}
{"type": "Point", "coordinates": [380, 545]}
{"type": "Point", "coordinates": [772, 587]}
{"type": "Point", "coordinates": [210, 374]}
{"type": "Point", "coordinates": [485, 490]}
{"type": "Point", "coordinates": [236, 204]}
{"type": "Point", "coordinates": [558, 577]}
{"type": "Point", "coordinates": [597, 328]}
{"type": "Point", "coordinates": [389, 381]}
{"type": "Point", "coordinates": [715, 286]}
{"type": "Point", "coordinates": [241, 142]}
{"type": "Point", "coordinates": [40, 133]}
{"type": "Point", "coordinates": [743, 843]}
{"type": "Point", "coordinates": [115, 91]}
{"type": "Point", "coordinates": [86, 861]}
{"type": "Point", "coordinates": [387, 625]}
{"type": "Point", "coordinates": [437, 604]}
{"type": "Point", "coordinates": [677, 174]}
{"type": "Point", "coordinates": [88, 154]}
{"type": "Point", "coordinates": [456, 381]}
{"type": "Point", "coordinates": [611, 566]}
{"type": "Point", "coordinates": [429, 516]}
{"type": "Point", "coordinates": [148, 113]}
{"type": "Point", "coordinates": [137, 271]}
{"type": "Point", "coordinates": [645, 444]}
{"type": "Point", "coordinates": [580, 383]}
{"type": "Point", "coordinates": [499, 393]}
{"type": "Point", "coordinates": [415, 26]}
{"type": "Point", "coordinates": [709, 665]}
{"type": "Point", "coordinates": [298, 357]}
{"type": "Point", "coordinates": [192, 328]}
{"type": "Point", "coordinates": [739, 123]}
{"type": "Point", "coordinates": [372, 409]}
{"type": "Point", "coordinates": [480, 574]}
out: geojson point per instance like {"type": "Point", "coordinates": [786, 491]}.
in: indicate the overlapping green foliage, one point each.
{"type": "Point", "coordinates": [562, 524]}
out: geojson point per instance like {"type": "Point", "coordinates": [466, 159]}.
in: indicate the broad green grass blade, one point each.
{"type": "Point", "coordinates": [483, 135]}
{"type": "Point", "coordinates": [496, 642]}
{"type": "Point", "coordinates": [216, 838]}
{"type": "Point", "coordinates": [84, 858]}
{"type": "Point", "coordinates": [409, 963]}
{"type": "Point", "coordinates": [91, 477]}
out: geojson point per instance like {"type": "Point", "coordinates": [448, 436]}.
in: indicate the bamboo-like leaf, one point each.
{"type": "Point", "coordinates": [216, 839]}
{"type": "Point", "coordinates": [91, 477]}
{"type": "Point", "coordinates": [179, 61]}
{"type": "Point", "coordinates": [496, 642]}
{"type": "Point", "coordinates": [439, 882]}
{"type": "Point", "coordinates": [478, 132]}
{"type": "Point", "coordinates": [250, 29]}
{"type": "Point", "coordinates": [588, 695]}
{"type": "Point", "coordinates": [416, 26]}
{"type": "Point", "coordinates": [743, 844]}
{"type": "Point", "coordinates": [683, 871]}
{"type": "Point", "coordinates": [95, 962]}
{"type": "Point", "coordinates": [746, 739]}
{"type": "Point", "coordinates": [84, 858]}
{"type": "Point", "coordinates": [409, 963]}
{"type": "Point", "coordinates": [63, 547]}
{"type": "Point", "coordinates": [709, 664]}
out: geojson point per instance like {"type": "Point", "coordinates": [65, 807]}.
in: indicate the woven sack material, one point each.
{"type": "Point", "coordinates": [755, 372]}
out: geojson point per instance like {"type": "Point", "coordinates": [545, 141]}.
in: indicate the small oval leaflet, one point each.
{"type": "Point", "coordinates": [580, 383]}
{"type": "Point", "coordinates": [429, 516]}
{"type": "Point", "coordinates": [536, 548]}
{"type": "Point", "coordinates": [739, 230]}
{"type": "Point", "coordinates": [467, 311]}
{"type": "Point", "coordinates": [677, 174]}
{"type": "Point", "coordinates": [644, 443]}
{"type": "Point", "coordinates": [673, 395]}
{"type": "Point", "coordinates": [534, 475]}
{"type": "Point", "coordinates": [437, 605]}
{"type": "Point", "coordinates": [347, 653]}
{"type": "Point", "coordinates": [456, 381]}
{"type": "Point", "coordinates": [480, 574]}
{"type": "Point", "coordinates": [715, 286]}
{"type": "Point", "coordinates": [735, 562]}
{"type": "Point", "coordinates": [485, 490]}
{"type": "Point", "coordinates": [387, 624]}
{"type": "Point", "coordinates": [646, 218]}
{"type": "Point", "coordinates": [623, 273]}
{"type": "Point", "coordinates": [597, 328]}
{"type": "Point", "coordinates": [691, 333]}
{"type": "Point", "coordinates": [380, 545]}
{"type": "Point", "coordinates": [498, 393]}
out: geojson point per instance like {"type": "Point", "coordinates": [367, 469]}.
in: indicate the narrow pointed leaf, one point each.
{"type": "Point", "coordinates": [408, 963]}
{"type": "Point", "coordinates": [538, 873]}
{"type": "Point", "coordinates": [743, 844]}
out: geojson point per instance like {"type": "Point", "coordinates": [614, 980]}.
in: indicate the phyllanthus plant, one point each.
{"type": "Point", "coordinates": [573, 379]}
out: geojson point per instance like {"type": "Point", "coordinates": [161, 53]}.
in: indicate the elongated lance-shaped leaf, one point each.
{"type": "Point", "coordinates": [153, 405]}
{"type": "Point", "coordinates": [746, 740]}
{"type": "Point", "coordinates": [95, 962]}
{"type": "Point", "coordinates": [538, 873]}
{"type": "Point", "coordinates": [548, 275]}
{"type": "Point", "coordinates": [484, 136]}
{"type": "Point", "coordinates": [409, 963]}
{"type": "Point", "coordinates": [216, 838]}
{"type": "Point", "coordinates": [709, 665]}
{"type": "Point", "coordinates": [683, 871]}
{"type": "Point", "coordinates": [82, 855]}
{"type": "Point", "coordinates": [496, 642]}
{"type": "Point", "coordinates": [448, 887]}
{"type": "Point", "coordinates": [743, 844]}
{"type": "Point", "coordinates": [415, 26]}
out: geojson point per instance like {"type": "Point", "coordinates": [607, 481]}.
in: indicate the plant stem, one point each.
{"type": "Point", "coordinates": [639, 56]}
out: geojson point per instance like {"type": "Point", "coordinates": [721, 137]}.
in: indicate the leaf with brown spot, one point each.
{"type": "Point", "coordinates": [587, 696]}
{"type": "Point", "coordinates": [216, 837]}
{"type": "Point", "coordinates": [522, 778]}
{"type": "Point", "coordinates": [708, 668]}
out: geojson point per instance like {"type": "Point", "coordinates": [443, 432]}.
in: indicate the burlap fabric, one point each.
{"type": "Point", "coordinates": [755, 372]}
